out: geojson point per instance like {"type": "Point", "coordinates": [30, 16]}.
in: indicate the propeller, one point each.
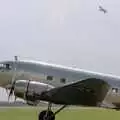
{"type": "Point", "coordinates": [13, 79]}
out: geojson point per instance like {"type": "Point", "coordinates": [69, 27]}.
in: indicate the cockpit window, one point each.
{"type": "Point", "coordinates": [8, 66]}
{"type": "Point", "coordinates": [5, 66]}
{"type": "Point", "coordinates": [2, 66]}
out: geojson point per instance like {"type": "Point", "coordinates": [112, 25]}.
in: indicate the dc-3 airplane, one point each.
{"type": "Point", "coordinates": [36, 81]}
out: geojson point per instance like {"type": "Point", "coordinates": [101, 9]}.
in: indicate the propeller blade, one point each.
{"type": "Point", "coordinates": [13, 79]}
{"type": "Point", "coordinates": [11, 90]}
{"type": "Point", "coordinates": [6, 91]}
{"type": "Point", "coordinates": [15, 98]}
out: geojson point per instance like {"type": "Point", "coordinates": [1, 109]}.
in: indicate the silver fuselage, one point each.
{"type": "Point", "coordinates": [39, 71]}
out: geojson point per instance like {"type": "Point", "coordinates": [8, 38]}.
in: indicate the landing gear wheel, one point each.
{"type": "Point", "coordinates": [46, 115]}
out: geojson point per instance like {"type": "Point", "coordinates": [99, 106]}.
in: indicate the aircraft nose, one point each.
{"type": "Point", "coordinates": [5, 78]}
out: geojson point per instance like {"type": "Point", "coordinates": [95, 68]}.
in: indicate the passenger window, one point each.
{"type": "Point", "coordinates": [63, 80]}
{"type": "Point", "coordinates": [115, 90]}
{"type": "Point", "coordinates": [49, 77]}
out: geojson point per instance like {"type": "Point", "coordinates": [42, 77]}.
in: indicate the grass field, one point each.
{"type": "Point", "coordinates": [66, 114]}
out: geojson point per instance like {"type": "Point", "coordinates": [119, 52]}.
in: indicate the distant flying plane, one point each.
{"type": "Point", "coordinates": [102, 9]}
{"type": "Point", "coordinates": [36, 81]}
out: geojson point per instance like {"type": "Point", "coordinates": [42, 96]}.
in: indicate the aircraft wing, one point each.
{"type": "Point", "coordinates": [87, 92]}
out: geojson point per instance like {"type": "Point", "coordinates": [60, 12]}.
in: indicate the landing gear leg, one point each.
{"type": "Point", "coordinates": [48, 114]}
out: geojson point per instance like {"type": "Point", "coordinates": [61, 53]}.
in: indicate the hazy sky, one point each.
{"type": "Point", "coordinates": [67, 32]}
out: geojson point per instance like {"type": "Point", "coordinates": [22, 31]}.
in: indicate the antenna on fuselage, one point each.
{"type": "Point", "coordinates": [13, 77]}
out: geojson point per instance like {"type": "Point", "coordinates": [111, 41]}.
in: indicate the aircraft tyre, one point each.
{"type": "Point", "coordinates": [46, 115]}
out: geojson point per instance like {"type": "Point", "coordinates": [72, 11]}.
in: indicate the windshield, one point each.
{"type": "Point", "coordinates": [5, 66]}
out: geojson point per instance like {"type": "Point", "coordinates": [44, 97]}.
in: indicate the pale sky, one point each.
{"type": "Point", "coordinates": [68, 32]}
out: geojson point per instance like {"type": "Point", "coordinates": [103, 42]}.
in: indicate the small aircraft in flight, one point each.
{"type": "Point", "coordinates": [36, 81]}
{"type": "Point", "coordinates": [102, 9]}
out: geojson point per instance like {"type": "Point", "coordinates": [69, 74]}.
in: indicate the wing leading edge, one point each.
{"type": "Point", "coordinates": [87, 92]}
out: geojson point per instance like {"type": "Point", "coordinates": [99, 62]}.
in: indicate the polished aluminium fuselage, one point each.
{"type": "Point", "coordinates": [39, 71]}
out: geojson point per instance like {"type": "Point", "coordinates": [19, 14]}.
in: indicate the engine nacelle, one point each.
{"type": "Point", "coordinates": [27, 89]}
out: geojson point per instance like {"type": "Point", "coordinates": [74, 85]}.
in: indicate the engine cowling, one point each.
{"type": "Point", "coordinates": [27, 89]}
